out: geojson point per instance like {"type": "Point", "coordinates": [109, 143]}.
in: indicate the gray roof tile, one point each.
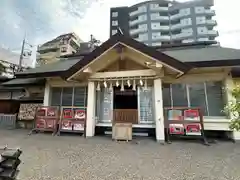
{"type": "Point", "coordinates": [61, 65]}
{"type": "Point", "coordinates": [20, 81]}
{"type": "Point", "coordinates": [207, 53]}
{"type": "Point", "coordinates": [210, 53]}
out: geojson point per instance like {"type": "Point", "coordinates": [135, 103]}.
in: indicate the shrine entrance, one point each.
{"type": "Point", "coordinates": [125, 105]}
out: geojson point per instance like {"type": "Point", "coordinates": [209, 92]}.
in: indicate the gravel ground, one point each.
{"type": "Point", "coordinates": [47, 157]}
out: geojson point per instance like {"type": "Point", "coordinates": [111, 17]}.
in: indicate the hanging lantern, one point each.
{"type": "Point", "coordinates": [111, 86]}
{"type": "Point", "coordinates": [122, 86]}
{"type": "Point", "coordinates": [145, 85]}
{"type": "Point", "coordinates": [98, 87]}
{"type": "Point", "coordinates": [105, 84]}
{"type": "Point", "coordinates": [128, 83]}
{"type": "Point", "coordinates": [117, 83]}
{"type": "Point", "coordinates": [134, 85]}
{"type": "Point", "coordinates": [141, 82]}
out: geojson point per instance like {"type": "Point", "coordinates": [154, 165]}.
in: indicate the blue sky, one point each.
{"type": "Point", "coordinates": [45, 19]}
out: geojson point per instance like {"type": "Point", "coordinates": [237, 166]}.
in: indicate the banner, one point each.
{"type": "Point", "coordinates": [67, 125]}
{"type": "Point", "coordinates": [40, 123]}
{"type": "Point", "coordinates": [191, 115]}
{"type": "Point", "coordinates": [193, 129]}
{"type": "Point", "coordinates": [79, 114]}
{"type": "Point", "coordinates": [67, 113]}
{"type": "Point", "coordinates": [176, 129]}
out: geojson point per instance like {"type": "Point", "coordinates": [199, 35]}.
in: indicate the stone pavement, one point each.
{"type": "Point", "coordinates": [47, 157]}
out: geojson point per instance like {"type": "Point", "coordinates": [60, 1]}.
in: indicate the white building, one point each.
{"type": "Point", "coordinates": [160, 22]}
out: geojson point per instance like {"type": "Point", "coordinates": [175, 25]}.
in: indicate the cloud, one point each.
{"type": "Point", "coordinates": [40, 20]}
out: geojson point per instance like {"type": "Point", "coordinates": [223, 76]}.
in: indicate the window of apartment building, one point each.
{"type": "Point", "coordinates": [143, 37]}
{"type": "Point", "coordinates": [207, 95]}
{"type": "Point", "coordinates": [69, 96]}
{"type": "Point", "coordinates": [142, 8]}
{"type": "Point", "coordinates": [164, 14]}
{"type": "Point", "coordinates": [142, 26]}
{"type": "Point", "coordinates": [202, 30]}
{"type": "Point", "coordinates": [203, 39]}
{"type": "Point", "coordinates": [114, 23]}
{"type": "Point", "coordinates": [199, 10]}
{"type": "Point", "coordinates": [200, 20]}
{"type": "Point", "coordinates": [164, 23]}
{"type": "Point", "coordinates": [185, 11]}
{"type": "Point", "coordinates": [187, 31]}
{"type": "Point", "coordinates": [186, 21]}
{"type": "Point", "coordinates": [114, 31]}
{"type": "Point", "coordinates": [176, 11]}
{"type": "Point", "coordinates": [154, 16]}
{"type": "Point", "coordinates": [155, 26]}
{"type": "Point", "coordinates": [154, 6]}
{"type": "Point", "coordinates": [142, 17]}
{"type": "Point", "coordinates": [63, 41]}
{"type": "Point", "coordinates": [63, 49]}
{"type": "Point", "coordinates": [188, 40]}
{"type": "Point", "coordinates": [156, 35]}
{"type": "Point", "coordinates": [177, 42]}
{"type": "Point", "coordinates": [74, 45]}
{"type": "Point", "coordinates": [164, 33]}
{"type": "Point", "coordinates": [114, 14]}
{"type": "Point", "coordinates": [157, 44]}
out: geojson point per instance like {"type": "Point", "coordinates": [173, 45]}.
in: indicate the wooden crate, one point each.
{"type": "Point", "coordinates": [122, 131]}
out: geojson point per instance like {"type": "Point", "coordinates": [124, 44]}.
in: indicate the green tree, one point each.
{"type": "Point", "coordinates": [233, 108]}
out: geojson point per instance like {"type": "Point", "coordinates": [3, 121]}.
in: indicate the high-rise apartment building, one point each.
{"type": "Point", "coordinates": [160, 22]}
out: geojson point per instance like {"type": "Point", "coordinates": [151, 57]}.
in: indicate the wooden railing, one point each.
{"type": "Point", "coordinates": [125, 116]}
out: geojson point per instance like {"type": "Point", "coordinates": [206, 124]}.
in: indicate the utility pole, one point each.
{"type": "Point", "coordinates": [21, 55]}
{"type": "Point", "coordinates": [93, 42]}
{"type": "Point", "coordinates": [24, 52]}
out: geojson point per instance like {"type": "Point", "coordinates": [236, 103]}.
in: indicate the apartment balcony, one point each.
{"type": "Point", "coordinates": [165, 18]}
{"type": "Point", "coordinates": [211, 22]}
{"type": "Point", "coordinates": [181, 35]}
{"type": "Point", "coordinates": [48, 47]}
{"type": "Point", "coordinates": [210, 12]}
{"type": "Point", "coordinates": [164, 28]}
{"type": "Point", "coordinates": [141, 40]}
{"type": "Point", "coordinates": [47, 56]}
{"type": "Point", "coordinates": [137, 31]}
{"type": "Point", "coordinates": [176, 26]}
{"type": "Point", "coordinates": [137, 21]}
{"type": "Point", "coordinates": [162, 38]}
{"type": "Point", "coordinates": [158, 8]}
{"type": "Point", "coordinates": [134, 13]}
{"type": "Point", "coordinates": [213, 33]}
{"type": "Point", "coordinates": [176, 16]}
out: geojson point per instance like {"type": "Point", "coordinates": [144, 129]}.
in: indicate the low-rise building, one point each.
{"type": "Point", "coordinates": [123, 73]}
{"type": "Point", "coordinates": [62, 45]}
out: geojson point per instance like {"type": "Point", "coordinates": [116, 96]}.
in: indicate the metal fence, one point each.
{"type": "Point", "coordinates": [8, 121]}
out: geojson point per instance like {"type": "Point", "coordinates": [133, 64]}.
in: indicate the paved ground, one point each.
{"type": "Point", "coordinates": [74, 158]}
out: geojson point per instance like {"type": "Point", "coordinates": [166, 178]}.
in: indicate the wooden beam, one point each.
{"type": "Point", "coordinates": [118, 74]}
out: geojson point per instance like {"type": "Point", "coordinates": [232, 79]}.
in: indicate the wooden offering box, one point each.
{"type": "Point", "coordinates": [122, 131]}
